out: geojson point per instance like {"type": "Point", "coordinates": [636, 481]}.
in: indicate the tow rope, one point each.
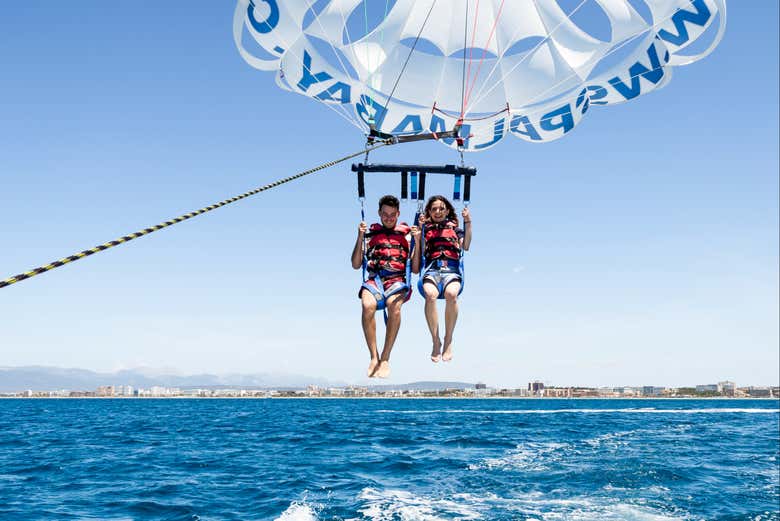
{"type": "Point", "coordinates": [147, 231]}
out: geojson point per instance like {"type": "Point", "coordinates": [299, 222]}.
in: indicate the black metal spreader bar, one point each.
{"type": "Point", "coordinates": [428, 169]}
{"type": "Point", "coordinates": [418, 174]}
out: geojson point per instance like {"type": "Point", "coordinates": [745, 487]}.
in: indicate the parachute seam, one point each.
{"type": "Point", "coordinates": [480, 95]}
{"type": "Point", "coordinates": [618, 47]}
{"type": "Point", "coordinates": [463, 79]}
{"type": "Point", "coordinates": [471, 49]}
{"type": "Point", "coordinates": [352, 121]}
{"type": "Point", "coordinates": [610, 52]}
{"type": "Point", "coordinates": [338, 57]}
{"type": "Point", "coordinates": [408, 57]}
{"type": "Point", "coordinates": [484, 52]}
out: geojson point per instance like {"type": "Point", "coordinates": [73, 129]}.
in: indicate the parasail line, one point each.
{"type": "Point", "coordinates": [480, 96]}
{"type": "Point", "coordinates": [151, 229]}
{"type": "Point", "coordinates": [403, 69]}
{"type": "Point", "coordinates": [628, 39]}
{"type": "Point", "coordinates": [542, 110]}
{"type": "Point", "coordinates": [484, 52]}
{"type": "Point", "coordinates": [463, 79]}
{"type": "Point", "coordinates": [348, 115]}
{"type": "Point", "coordinates": [471, 48]}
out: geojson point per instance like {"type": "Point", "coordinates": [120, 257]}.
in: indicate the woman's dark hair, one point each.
{"type": "Point", "coordinates": [451, 213]}
{"type": "Point", "coordinates": [390, 200]}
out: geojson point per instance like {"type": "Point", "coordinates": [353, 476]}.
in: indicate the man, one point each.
{"type": "Point", "coordinates": [386, 287]}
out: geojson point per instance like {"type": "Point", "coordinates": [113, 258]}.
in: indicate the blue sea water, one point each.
{"type": "Point", "coordinates": [407, 459]}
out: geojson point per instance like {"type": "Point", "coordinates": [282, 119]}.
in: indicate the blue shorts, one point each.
{"type": "Point", "coordinates": [442, 276]}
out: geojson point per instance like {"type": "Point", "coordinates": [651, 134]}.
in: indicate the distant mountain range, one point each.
{"type": "Point", "coordinates": [42, 378]}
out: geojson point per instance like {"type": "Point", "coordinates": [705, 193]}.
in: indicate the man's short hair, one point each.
{"type": "Point", "coordinates": [390, 200]}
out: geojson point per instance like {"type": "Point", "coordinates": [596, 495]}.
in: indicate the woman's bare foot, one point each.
{"type": "Point", "coordinates": [446, 355]}
{"type": "Point", "coordinates": [436, 352]}
{"type": "Point", "coordinates": [372, 367]}
{"type": "Point", "coordinates": [383, 369]}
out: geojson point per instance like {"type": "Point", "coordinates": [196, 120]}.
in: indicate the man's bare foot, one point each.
{"type": "Point", "coordinates": [446, 355]}
{"type": "Point", "coordinates": [383, 369]}
{"type": "Point", "coordinates": [436, 353]}
{"type": "Point", "coordinates": [372, 367]}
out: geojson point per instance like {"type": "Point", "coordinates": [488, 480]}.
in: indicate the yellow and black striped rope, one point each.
{"type": "Point", "coordinates": [146, 231]}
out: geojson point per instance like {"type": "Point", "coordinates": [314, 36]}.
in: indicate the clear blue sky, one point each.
{"type": "Point", "coordinates": [641, 249]}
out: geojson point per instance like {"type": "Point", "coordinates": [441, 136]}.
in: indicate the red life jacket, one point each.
{"type": "Point", "coordinates": [387, 249]}
{"type": "Point", "coordinates": [441, 241]}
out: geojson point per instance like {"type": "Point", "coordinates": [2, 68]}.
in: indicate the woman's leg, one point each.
{"type": "Point", "coordinates": [431, 295]}
{"type": "Point", "coordinates": [450, 317]}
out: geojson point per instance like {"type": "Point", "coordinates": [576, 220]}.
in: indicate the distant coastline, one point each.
{"type": "Point", "coordinates": [464, 398]}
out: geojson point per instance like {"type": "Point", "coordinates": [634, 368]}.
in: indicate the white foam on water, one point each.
{"type": "Point", "coordinates": [389, 505]}
{"type": "Point", "coordinates": [767, 516]}
{"type": "Point", "coordinates": [616, 440]}
{"type": "Point", "coordinates": [642, 410]}
{"type": "Point", "coordinates": [530, 456]}
{"type": "Point", "coordinates": [611, 439]}
{"type": "Point", "coordinates": [298, 512]}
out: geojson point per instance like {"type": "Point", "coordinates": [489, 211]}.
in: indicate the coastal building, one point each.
{"type": "Point", "coordinates": [124, 390]}
{"type": "Point", "coordinates": [536, 388]}
{"type": "Point", "coordinates": [584, 392]}
{"type": "Point", "coordinates": [727, 388]}
{"type": "Point", "coordinates": [105, 390]}
{"type": "Point", "coordinates": [759, 392]}
{"type": "Point", "coordinates": [651, 390]}
{"type": "Point", "coordinates": [708, 388]}
{"type": "Point", "coordinates": [558, 392]}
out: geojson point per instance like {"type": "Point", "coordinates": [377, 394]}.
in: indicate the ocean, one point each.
{"type": "Point", "coordinates": [389, 459]}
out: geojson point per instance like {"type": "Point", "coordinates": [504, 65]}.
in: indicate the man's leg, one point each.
{"type": "Point", "coordinates": [393, 308]}
{"type": "Point", "coordinates": [368, 320]}
{"type": "Point", "coordinates": [432, 317]}
{"type": "Point", "coordinates": [450, 317]}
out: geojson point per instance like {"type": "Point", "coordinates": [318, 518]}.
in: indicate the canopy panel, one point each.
{"type": "Point", "coordinates": [530, 68]}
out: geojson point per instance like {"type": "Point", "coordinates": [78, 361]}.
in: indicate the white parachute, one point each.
{"type": "Point", "coordinates": [530, 68]}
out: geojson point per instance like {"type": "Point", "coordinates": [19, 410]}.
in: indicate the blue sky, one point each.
{"type": "Point", "coordinates": [640, 249]}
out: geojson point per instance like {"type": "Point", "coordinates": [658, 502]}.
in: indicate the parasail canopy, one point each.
{"type": "Point", "coordinates": [529, 68]}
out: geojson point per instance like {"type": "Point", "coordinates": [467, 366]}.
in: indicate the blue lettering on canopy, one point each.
{"type": "Point", "coordinates": [583, 100]}
{"type": "Point", "coordinates": [267, 25]}
{"type": "Point", "coordinates": [409, 119]}
{"type": "Point", "coordinates": [654, 75]}
{"type": "Point", "coordinates": [363, 108]}
{"type": "Point", "coordinates": [343, 90]}
{"type": "Point", "coordinates": [595, 93]}
{"type": "Point", "coordinates": [566, 121]}
{"type": "Point", "coordinates": [527, 130]}
{"type": "Point", "coordinates": [498, 133]}
{"type": "Point", "coordinates": [308, 79]}
{"type": "Point", "coordinates": [439, 125]}
{"type": "Point", "coordinates": [700, 17]}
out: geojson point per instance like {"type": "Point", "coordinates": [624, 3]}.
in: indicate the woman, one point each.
{"type": "Point", "coordinates": [443, 241]}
